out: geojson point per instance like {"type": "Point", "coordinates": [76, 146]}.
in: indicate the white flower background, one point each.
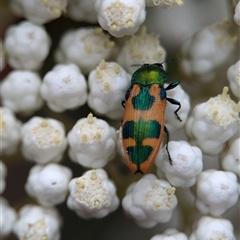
{"type": "Point", "coordinates": [65, 67]}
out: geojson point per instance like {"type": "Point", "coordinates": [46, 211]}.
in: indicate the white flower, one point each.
{"type": "Point", "coordinates": [43, 140]}
{"type": "Point", "coordinates": [27, 45]}
{"type": "Point", "coordinates": [48, 183]}
{"type": "Point", "coordinates": [149, 201]}
{"type": "Point", "coordinates": [163, 3]}
{"type": "Point", "coordinates": [7, 219]}
{"type": "Point", "coordinates": [170, 234]}
{"type": "Point", "coordinates": [206, 51]}
{"type": "Point", "coordinates": [212, 228]}
{"type": "Point", "coordinates": [84, 47]}
{"type": "Point", "coordinates": [108, 84]}
{"type": "Point", "coordinates": [120, 17]}
{"type": "Point", "coordinates": [39, 12]}
{"type": "Point", "coordinates": [64, 87]}
{"type": "Point", "coordinates": [92, 195]}
{"type": "Point", "coordinates": [2, 56]}
{"type": "Point", "coordinates": [187, 163]}
{"type": "Point", "coordinates": [36, 222]}
{"type": "Point", "coordinates": [3, 173]}
{"type": "Point", "coordinates": [20, 91]}
{"type": "Point", "coordinates": [140, 49]}
{"type": "Point", "coordinates": [82, 10]}
{"type": "Point", "coordinates": [237, 14]}
{"type": "Point", "coordinates": [92, 142]}
{"type": "Point", "coordinates": [9, 131]}
{"type": "Point", "coordinates": [171, 121]}
{"type": "Point", "coordinates": [216, 191]}
{"type": "Point", "coordinates": [233, 75]}
{"type": "Point", "coordinates": [230, 160]}
{"type": "Point", "coordinates": [213, 123]}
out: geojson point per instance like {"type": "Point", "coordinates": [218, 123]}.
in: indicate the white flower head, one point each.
{"type": "Point", "coordinates": [212, 228]}
{"type": "Point", "coordinates": [7, 219]}
{"type": "Point", "coordinates": [84, 47]}
{"type": "Point", "coordinates": [187, 163]}
{"type": "Point", "coordinates": [82, 10]}
{"type": "Point", "coordinates": [140, 49]}
{"type": "Point", "coordinates": [120, 17]}
{"type": "Point", "coordinates": [92, 195]}
{"type": "Point", "coordinates": [216, 191]}
{"type": "Point", "coordinates": [171, 121]}
{"type": "Point", "coordinates": [20, 91]}
{"type": "Point", "coordinates": [92, 142]}
{"type": "Point", "coordinates": [9, 131]}
{"type": "Point", "coordinates": [230, 160]}
{"type": "Point", "coordinates": [37, 222]}
{"type": "Point", "coordinates": [149, 201]}
{"type": "Point", "coordinates": [237, 14]}
{"type": "Point", "coordinates": [163, 3]}
{"type": "Point", "coordinates": [207, 51]}
{"type": "Point", "coordinates": [170, 234]}
{"type": "Point", "coordinates": [216, 117]}
{"type": "Point", "coordinates": [108, 84]}
{"type": "Point", "coordinates": [39, 12]}
{"type": "Point", "coordinates": [3, 173]}
{"type": "Point", "coordinates": [64, 87]}
{"type": "Point", "coordinates": [27, 45]}
{"type": "Point", "coordinates": [233, 75]}
{"type": "Point", "coordinates": [48, 183]}
{"type": "Point", "coordinates": [43, 140]}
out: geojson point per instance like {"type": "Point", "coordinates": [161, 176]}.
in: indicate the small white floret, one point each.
{"type": "Point", "coordinates": [108, 84]}
{"type": "Point", "coordinates": [9, 131]}
{"type": "Point", "coordinates": [213, 123]}
{"type": "Point", "coordinates": [212, 228]}
{"type": "Point", "coordinates": [92, 195]}
{"type": "Point", "coordinates": [20, 91]}
{"type": "Point", "coordinates": [84, 47]}
{"type": "Point", "coordinates": [120, 17]}
{"type": "Point", "coordinates": [3, 173]}
{"type": "Point", "coordinates": [27, 45]}
{"type": "Point", "coordinates": [36, 222]}
{"type": "Point", "coordinates": [237, 14]}
{"type": "Point", "coordinates": [40, 11]}
{"type": "Point", "coordinates": [64, 87]}
{"type": "Point", "coordinates": [187, 163]}
{"type": "Point", "coordinates": [82, 11]}
{"type": "Point", "coordinates": [140, 49]}
{"type": "Point", "coordinates": [150, 201]}
{"type": "Point", "coordinates": [92, 142]}
{"type": "Point", "coordinates": [216, 192]}
{"type": "Point", "coordinates": [207, 51]}
{"type": "Point", "coordinates": [43, 140]}
{"type": "Point", "coordinates": [7, 218]}
{"type": "Point", "coordinates": [48, 183]}
{"type": "Point", "coordinates": [163, 3]}
{"type": "Point", "coordinates": [170, 234]}
{"type": "Point", "coordinates": [171, 121]}
{"type": "Point", "coordinates": [233, 75]}
{"type": "Point", "coordinates": [230, 160]}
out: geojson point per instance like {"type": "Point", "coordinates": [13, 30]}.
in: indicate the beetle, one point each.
{"type": "Point", "coordinates": [143, 120]}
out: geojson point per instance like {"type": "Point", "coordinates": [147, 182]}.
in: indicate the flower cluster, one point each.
{"type": "Point", "coordinates": [66, 81]}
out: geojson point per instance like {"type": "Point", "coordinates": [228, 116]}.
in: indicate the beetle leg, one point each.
{"type": "Point", "coordinates": [169, 157]}
{"type": "Point", "coordinates": [175, 102]}
{"type": "Point", "coordinates": [123, 103]}
{"type": "Point", "coordinates": [172, 85]}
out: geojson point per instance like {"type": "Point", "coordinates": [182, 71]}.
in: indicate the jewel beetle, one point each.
{"type": "Point", "coordinates": [143, 120]}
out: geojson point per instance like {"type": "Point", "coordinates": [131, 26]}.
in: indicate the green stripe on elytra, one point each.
{"type": "Point", "coordinates": [139, 131]}
{"type": "Point", "coordinates": [143, 101]}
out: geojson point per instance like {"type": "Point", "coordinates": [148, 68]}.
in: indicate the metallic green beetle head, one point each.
{"type": "Point", "coordinates": [149, 74]}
